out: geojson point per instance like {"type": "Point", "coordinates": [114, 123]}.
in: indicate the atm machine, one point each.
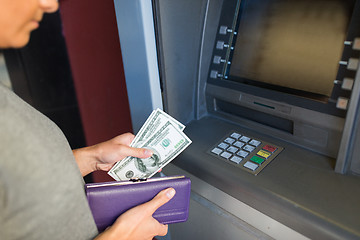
{"type": "Point", "coordinates": [269, 93]}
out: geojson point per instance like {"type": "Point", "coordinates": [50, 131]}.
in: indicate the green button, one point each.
{"type": "Point", "coordinates": [257, 159]}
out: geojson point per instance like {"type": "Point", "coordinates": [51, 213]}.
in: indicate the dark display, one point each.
{"type": "Point", "coordinates": [303, 50]}
{"type": "Point", "coordinates": [291, 44]}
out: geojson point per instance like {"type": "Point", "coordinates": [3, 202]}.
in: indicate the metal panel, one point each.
{"type": "Point", "coordinates": [138, 46]}
{"type": "Point", "coordinates": [347, 147]}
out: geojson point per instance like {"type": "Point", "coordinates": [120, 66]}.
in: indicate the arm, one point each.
{"type": "Point", "coordinates": [102, 156]}
{"type": "Point", "coordinates": [138, 223]}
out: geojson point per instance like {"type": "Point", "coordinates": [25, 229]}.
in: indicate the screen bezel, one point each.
{"type": "Point", "coordinates": [297, 98]}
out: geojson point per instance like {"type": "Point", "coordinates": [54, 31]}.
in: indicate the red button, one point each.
{"type": "Point", "coordinates": [269, 148]}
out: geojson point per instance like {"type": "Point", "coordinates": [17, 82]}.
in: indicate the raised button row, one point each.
{"type": "Point", "coordinates": [236, 147]}
{"type": "Point", "coordinates": [231, 156]}
{"type": "Point", "coordinates": [230, 151]}
{"type": "Point", "coordinates": [234, 150]}
{"type": "Point", "coordinates": [242, 138]}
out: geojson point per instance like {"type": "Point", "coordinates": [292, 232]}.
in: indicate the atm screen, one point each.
{"type": "Point", "coordinates": [298, 48]}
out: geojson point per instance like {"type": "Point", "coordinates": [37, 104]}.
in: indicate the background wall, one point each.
{"type": "Point", "coordinates": [93, 45]}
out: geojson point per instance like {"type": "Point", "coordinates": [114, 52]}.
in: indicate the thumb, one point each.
{"type": "Point", "coordinates": [160, 199]}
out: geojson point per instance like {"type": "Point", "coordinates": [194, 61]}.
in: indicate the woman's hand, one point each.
{"type": "Point", "coordinates": [138, 223]}
{"type": "Point", "coordinates": [104, 155]}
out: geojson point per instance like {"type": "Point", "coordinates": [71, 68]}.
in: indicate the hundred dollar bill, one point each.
{"type": "Point", "coordinates": [156, 119]}
{"type": "Point", "coordinates": [167, 143]}
{"type": "Point", "coordinates": [153, 123]}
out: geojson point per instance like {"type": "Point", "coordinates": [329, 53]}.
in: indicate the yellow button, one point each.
{"type": "Point", "coordinates": [264, 154]}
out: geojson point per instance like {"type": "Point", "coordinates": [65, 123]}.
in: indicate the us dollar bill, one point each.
{"type": "Point", "coordinates": [166, 143]}
{"type": "Point", "coordinates": [154, 122]}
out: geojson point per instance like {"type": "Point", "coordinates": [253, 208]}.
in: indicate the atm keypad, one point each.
{"type": "Point", "coordinates": [245, 152]}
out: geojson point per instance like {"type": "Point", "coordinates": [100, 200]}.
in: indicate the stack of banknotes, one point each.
{"type": "Point", "coordinates": [164, 136]}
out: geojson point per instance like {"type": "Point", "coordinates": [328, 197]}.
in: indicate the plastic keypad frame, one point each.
{"type": "Point", "coordinates": [245, 152]}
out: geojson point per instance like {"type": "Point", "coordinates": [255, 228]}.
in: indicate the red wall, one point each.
{"type": "Point", "coordinates": [92, 40]}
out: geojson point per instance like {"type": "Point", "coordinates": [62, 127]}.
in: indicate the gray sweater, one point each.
{"type": "Point", "coordinates": [41, 188]}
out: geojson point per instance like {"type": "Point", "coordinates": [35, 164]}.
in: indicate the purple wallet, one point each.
{"type": "Point", "coordinates": [109, 200]}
